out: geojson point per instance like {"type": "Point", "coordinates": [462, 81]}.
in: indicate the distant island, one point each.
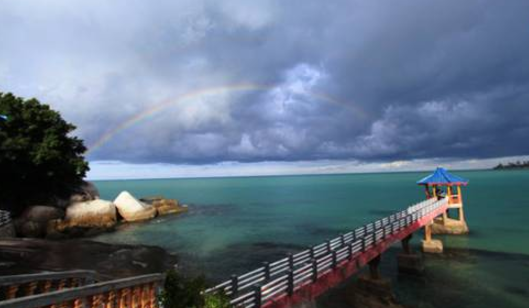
{"type": "Point", "coordinates": [513, 166]}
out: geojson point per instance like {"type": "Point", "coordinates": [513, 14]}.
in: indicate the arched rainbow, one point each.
{"type": "Point", "coordinates": [153, 110]}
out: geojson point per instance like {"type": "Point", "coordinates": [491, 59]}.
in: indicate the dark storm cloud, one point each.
{"type": "Point", "coordinates": [367, 80]}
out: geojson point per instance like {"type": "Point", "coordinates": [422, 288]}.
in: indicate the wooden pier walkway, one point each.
{"type": "Point", "coordinates": [307, 274]}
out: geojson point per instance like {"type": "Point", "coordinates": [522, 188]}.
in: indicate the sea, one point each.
{"type": "Point", "coordinates": [235, 223]}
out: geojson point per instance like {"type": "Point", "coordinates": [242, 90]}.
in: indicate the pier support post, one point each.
{"type": "Point", "coordinates": [371, 290]}
{"type": "Point", "coordinates": [374, 271]}
{"type": "Point", "coordinates": [406, 244]}
{"type": "Point", "coordinates": [430, 245]}
{"type": "Point", "coordinates": [408, 261]}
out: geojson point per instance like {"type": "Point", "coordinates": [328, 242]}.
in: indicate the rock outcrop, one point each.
{"type": "Point", "coordinates": [87, 215]}
{"type": "Point", "coordinates": [24, 256]}
{"type": "Point", "coordinates": [91, 214]}
{"type": "Point", "coordinates": [84, 192]}
{"type": "Point", "coordinates": [133, 210]}
{"type": "Point", "coordinates": [34, 220]}
{"type": "Point", "coordinates": [7, 230]}
{"type": "Point", "coordinates": [42, 213]}
{"type": "Point", "coordinates": [84, 219]}
{"type": "Point", "coordinates": [81, 192]}
{"type": "Point", "coordinates": [449, 226]}
{"type": "Point", "coordinates": [165, 206]}
{"type": "Point", "coordinates": [368, 292]}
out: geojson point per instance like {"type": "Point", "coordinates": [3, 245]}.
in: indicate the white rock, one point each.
{"type": "Point", "coordinates": [133, 210]}
{"type": "Point", "coordinates": [95, 213]}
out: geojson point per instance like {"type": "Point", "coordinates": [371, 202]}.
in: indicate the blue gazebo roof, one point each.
{"type": "Point", "coordinates": [442, 177]}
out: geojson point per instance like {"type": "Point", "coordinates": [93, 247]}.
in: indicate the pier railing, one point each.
{"type": "Point", "coordinates": [31, 284]}
{"type": "Point", "coordinates": [5, 217]}
{"type": "Point", "coordinates": [281, 278]}
{"type": "Point", "coordinates": [133, 292]}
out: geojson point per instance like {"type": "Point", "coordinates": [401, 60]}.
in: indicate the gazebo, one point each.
{"type": "Point", "coordinates": [433, 185]}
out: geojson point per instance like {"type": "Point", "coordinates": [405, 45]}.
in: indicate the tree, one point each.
{"type": "Point", "coordinates": [39, 160]}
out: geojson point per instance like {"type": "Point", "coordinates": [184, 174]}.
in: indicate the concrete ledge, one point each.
{"type": "Point", "coordinates": [450, 226]}
{"type": "Point", "coordinates": [432, 246]}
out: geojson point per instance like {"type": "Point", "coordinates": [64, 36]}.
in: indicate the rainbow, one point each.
{"type": "Point", "coordinates": [157, 108]}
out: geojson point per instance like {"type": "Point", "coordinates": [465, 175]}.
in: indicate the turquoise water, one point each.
{"type": "Point", "coordinates": [234, 224]}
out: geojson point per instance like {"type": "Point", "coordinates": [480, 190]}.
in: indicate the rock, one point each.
{"type": "Point", "coordinates": [91, 214]}
{"type": "Point", "coordinates": [168, 206]}
{"type": "Point", "coordinates": [133, 210]}
{"type": "Point", "coordinates": [410, 263]}
{"type": "Point", "coordinates": [42, 213]}
{"type": "Point", "coordinates": [55, 229]}
{"type": "Point", "coordinates": [33, 221]}
{"type": "Point", "coordinates": [81, 192]}
{"type": "Point", "coordinates": [432, 246]}
{"type": "Point", "coordinates": [368, 292]}
{"type": "Point", "coordinates": [110, 261]}
{"type": "Point", "coordinates": [30, 228]}
{"type": "Point", "coordinates": [84, 192]}
{"type": "Point", "coordinates": [83, 219]}
{"type": "Point", "coordinates": [449, 226]}
{"type": "Point", "coordinates": [7, 230]}
{"type": "Point", "coordinates": [151, 199]}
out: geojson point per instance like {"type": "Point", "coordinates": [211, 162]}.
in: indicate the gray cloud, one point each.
{"type": "Point", "coordinates": [365, 80]}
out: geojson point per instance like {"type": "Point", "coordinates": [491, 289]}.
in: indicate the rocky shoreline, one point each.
{"type": "Point", "coordinates": [50, 237]}
{"type": "Point", "coordinates": [85, 214]}
{"type": "Point", "coordinates": [22, 256]}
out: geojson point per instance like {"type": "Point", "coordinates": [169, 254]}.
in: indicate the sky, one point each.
{"type": "Point", "coordinates": [233, 87]}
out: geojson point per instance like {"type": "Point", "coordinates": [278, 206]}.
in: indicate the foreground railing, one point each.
{"type": "Point", "coordinates": [31, 284]}
{"type": "Point", "coordinates": [133, 292]}
{"type": "Point", "coordinates": [5, 217]}
{"type": "Point", "coordinates": [283, 277]}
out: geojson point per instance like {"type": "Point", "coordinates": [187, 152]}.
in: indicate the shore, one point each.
{"type": "Point", "coordinates": [18, 256]}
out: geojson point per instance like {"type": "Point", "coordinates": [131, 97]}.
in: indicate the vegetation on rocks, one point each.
{"type": "Point", "coordinates": [39, 159]}
{"type": "Point", "coordinates": [513, 166]}
{"type": "Point", "coordinates": [182, 292]}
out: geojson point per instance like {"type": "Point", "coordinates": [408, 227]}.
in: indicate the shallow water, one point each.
{"type": "Point", "coordinates": [234, 224]}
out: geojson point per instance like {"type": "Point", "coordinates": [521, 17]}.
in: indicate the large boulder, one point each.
{"type": "Point", "coordinates": [84, 192]}
{"type": "Point", "coordinates": [80, 192]}
{"type": "Point", "coordinates": [91, 214]}
{"type": "Point", "coordinates": [133, 210]}
{"type": "Point", "coordinates": [28, 228]}
{"type": "Point", "coordinates": [168, 206]}
{"type": "Point", "coordinates": [42, 213]}
{"type": "Point", "coordinates": [34, 220]}
{"type": "Point", "coordinates": [7, 230]}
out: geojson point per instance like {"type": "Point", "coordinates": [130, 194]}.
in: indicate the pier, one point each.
{"type": "Point", "coordinates": [287, 282]}
{"type": "Point", "coordinates": [306, 275]}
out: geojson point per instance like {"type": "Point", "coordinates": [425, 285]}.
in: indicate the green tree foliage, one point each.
{"type": "Point", "coordinates": [216, 301]}
{"type": "Point", "coordinates": [182, 292]}
{"type": "Point", "coordinates": [39, 160]}
{"type": "Point", "coordinates": [513, 166]}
